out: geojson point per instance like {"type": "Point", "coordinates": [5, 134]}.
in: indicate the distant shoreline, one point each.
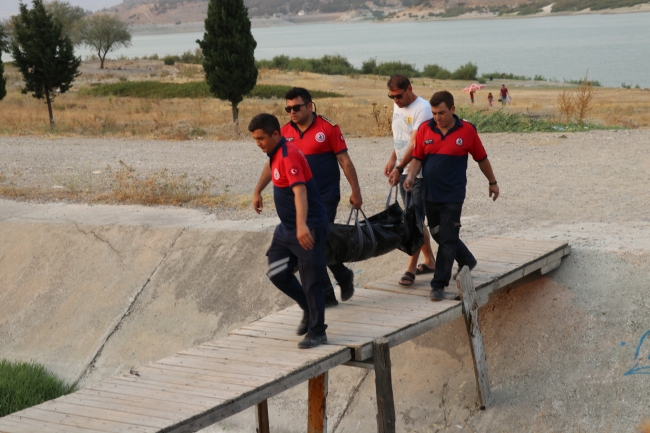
{"type": "Point", "coordinates": [345, 18]}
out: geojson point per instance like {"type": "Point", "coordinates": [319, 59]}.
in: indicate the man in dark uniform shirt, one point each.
{"type": "Point", "coordinates": [300, 237]}
{"type": "Point", "coordinates": [442, 146]}
{"type": "Point", "coordinates": [322, 142]}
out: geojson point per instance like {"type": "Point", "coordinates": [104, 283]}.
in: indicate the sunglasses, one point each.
{"type": "Point", "coordinates": [294, 108]}
{"type": "Point", "coordinates": [397, 96]}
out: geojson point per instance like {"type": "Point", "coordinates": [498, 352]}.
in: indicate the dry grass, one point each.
{"type": "Point", "coordinates": [365, 111]}
{"type": "Point", "coordinates": [129, 187]}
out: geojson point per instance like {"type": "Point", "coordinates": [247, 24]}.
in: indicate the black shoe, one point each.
{"type": "Point", "coordinates": [330, 301]}
{"type": "Point", "coordinates": [312, 340]}
{"type": "Point", "coordinates": [304, 325]}
{"type": "Point", "coordinates": [437, 295]}
{"type": "Point", "coordinates": [461, 267]}
{"type": "Point", "coordinates": [347, 286]}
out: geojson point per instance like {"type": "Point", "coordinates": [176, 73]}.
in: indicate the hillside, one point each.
{"type": "Point", "coordinates": [140, 12]}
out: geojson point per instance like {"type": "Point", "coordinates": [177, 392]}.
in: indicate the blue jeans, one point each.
{"type": "Point", "coordinates": [447, 217]}
{"type": "Point", "coordinates": [283, 255]}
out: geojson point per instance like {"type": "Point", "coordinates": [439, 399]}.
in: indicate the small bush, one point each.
{"type": "Point", "coordinates": [392, 68]}
{"type": "Point", "coordinates": [466, 72]}
{"type": "Point", "coordinates": [158, 90]}
{"type": "Point", "coordinates": [23, 385]}
{"type": "Point", "coordinates": [436, 71]}
{"type": "Point", "coordinates": [169, 61]}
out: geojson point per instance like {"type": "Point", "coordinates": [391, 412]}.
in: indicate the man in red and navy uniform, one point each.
{"type": "Point", "coordinates": [322, 142]}
{"type": "Point", "coordinates": [442, 146]}
{"type": "Point", "coordinates": [300, 237]}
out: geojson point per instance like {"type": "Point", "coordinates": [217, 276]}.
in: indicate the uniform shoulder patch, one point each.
{"type": "Point", "coordinates": [328, 121]}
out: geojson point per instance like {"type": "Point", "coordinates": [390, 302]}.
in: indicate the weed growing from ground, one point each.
{"type": "Point", "coordinates": [23, 385]}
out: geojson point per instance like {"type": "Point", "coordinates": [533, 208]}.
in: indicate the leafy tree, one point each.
{"type": "Point", "coordinates": [104, 33]}
{"type": "Point", "coordinates": [43, 54]}
{"type": "Point", "coordinates": [228, 47]}
{"type": "Point", "coordinates": [70, 17]}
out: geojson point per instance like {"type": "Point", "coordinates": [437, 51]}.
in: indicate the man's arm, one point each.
{"type": "Point", "coordinates": [302, 231]}
{"type": "Point", "coordinates": [265, 178]}
{"type": "Point", "coordinates": [486, 168]}
{"type": "Point", "coordinates": [351, 174]}
{"type": "Point", "coordinates": [393, 179]}
{"type": "Point", "coordinates": [390, 165]}
{"type": "Point", "coordinates": [416, 165]}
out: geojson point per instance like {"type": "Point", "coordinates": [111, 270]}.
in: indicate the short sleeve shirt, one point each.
{"type": "Point", "coordinates": [405, 121]}
{"type": "Point", "coordinates": [289, 168]}
{"type": "Point", "coordinates": [320, 143]}
{"type": "Point", "coordinates": [444, 159]}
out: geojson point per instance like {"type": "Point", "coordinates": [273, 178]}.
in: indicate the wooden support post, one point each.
{"type": "Point", "coordinates": [470, 311]}
{"type": "Point", "coordinates": [384, 386]}
{"type": "Point", "coordinates": [262, 415]}
{"type": "Point", "coordinates": [317, 412]}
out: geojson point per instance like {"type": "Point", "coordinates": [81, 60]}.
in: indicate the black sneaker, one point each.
{"type": "Point", "coordinates": [461, 267]}
{"type": "Point", "coordinates": [347, 286]}
{"type": "Point", "coordinates": [304, 325]}
{"type": "Point", "coordinates": [330, 301]}
{"type": "Point", "coordinates": [311, 341]}
{"type": "Point", "coordinates": [437, 295]}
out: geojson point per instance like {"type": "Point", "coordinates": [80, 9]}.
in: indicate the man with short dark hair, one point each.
{"type": "Point", "coordinates": [322, 142]}
{"type": "Point", "coordinates": [300, 237]}
{"type": "Point", "coordinates": [409, 112]}
{"type": "Point", "coordinates": [441, 149]}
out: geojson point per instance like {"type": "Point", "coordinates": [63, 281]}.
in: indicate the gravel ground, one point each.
{"type": "Point", "coordinates": [545, 178]}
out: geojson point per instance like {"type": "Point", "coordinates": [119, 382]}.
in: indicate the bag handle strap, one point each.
{"type": "Point", "coordinates": [358, 225]}
{"type": "Point", "coordinates": [390, 194]}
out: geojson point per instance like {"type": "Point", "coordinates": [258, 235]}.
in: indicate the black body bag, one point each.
{"type": "Point", "coordinates": [367, 238]}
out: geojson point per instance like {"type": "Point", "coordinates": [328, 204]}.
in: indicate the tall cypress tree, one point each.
{"type": "Point", "coordinates": [3, 79]}
{"type": "Point", "coordinates": [44, 54]}
{"type": "Point", "coordinates": [228, 51]}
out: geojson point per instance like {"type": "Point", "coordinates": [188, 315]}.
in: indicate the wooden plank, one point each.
{"type": "Point", "coordinates": [216, 414]}
{"type": "Point", "coordinates": [83, 400]}
{"type": "Point", "coordinates": [26, 425]}
{"type": "Point", "coordinates": [551, 266]}
{"type": "Point", "coordinates": [317, 404]}
{"type": "Point", "coordinates": [262, 417]}
{"type": "Point", "coordinates": [50, 417]}
{"type": "Point", "coordinates": [470, 311]}
{"type": "Point", "coordinates": [364, 351]}
{"type": "Point", "coordinates": [127, 389]}
{"type": "Point", "coordinates": [384, 386]}
{"type": "Point", "coordinates": [146, 421]}
{"type": "Point", "coordinates": [136, 402]}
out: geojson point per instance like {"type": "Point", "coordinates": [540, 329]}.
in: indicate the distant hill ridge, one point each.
{"type": "Point", "coordinates": [136, 12]}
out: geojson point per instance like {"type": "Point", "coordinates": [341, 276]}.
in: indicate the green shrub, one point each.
{"type": "Point", "coordinates": [504, 75]}
{"type": "Point", "coordinates": [369, 66]}
{"type": "Point", "coordinates": [23, 385]}
{"type": "Point", "coordinates": [436, 71]}
{"type": "Point", "coordinates": [502, 121]}
{"type": "Point", "coordinates": [328, 64]}
{"type": "Point", "coordinates": [466, 72]}
{"type": "Point", "coordinates": [398, 67]}
{"type": "Point", "coordinates": [158, 90]}
{"type": "Point", "coordinates": [168, 61]}
{"type": "Point", "coordinates": [481, 80]}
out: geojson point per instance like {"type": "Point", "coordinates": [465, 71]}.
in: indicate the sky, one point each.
{"type": "Point", "coordinates": [10, 7]}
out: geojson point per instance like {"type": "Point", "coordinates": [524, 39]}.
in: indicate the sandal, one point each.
{"type": "Point", "coordinates": [407, 279]}
{"type": "Point", "coordinates": [424, 269]}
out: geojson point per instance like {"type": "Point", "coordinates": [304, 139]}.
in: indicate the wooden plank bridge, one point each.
{"type": "Point", "coordinates": [203, 385]}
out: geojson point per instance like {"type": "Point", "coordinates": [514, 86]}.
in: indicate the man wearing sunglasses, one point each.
{"type": "Point", "coordinates": [409, 112]}
{"type": "Point", "coordinates": [322, 142]}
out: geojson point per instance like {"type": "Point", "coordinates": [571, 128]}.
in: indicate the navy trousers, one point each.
{"type": "Point", "coordinates": [339, 270]}
{"type": "Point", "coordinates": [284, 254]}
{"type": "Point", "coordinates": [450, 247]}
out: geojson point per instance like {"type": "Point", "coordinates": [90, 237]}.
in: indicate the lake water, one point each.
{"type": "Point", "coordinates": [614, 48]}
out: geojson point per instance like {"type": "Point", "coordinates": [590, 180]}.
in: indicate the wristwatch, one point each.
{"type": "Point", "coordinates": [492, 183]}
{"type": "Point", "coordinates": [399, 169]}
